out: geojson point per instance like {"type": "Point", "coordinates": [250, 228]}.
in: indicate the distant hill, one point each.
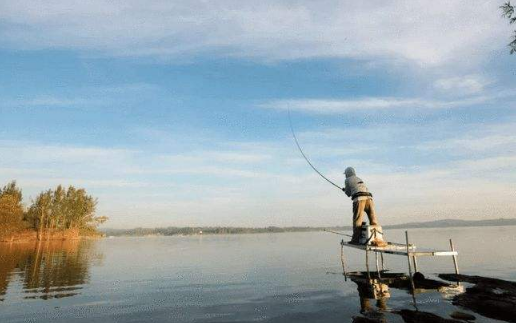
{"type": "Point", "coordinates": [453, 223]}
{"type": "Point", "coordinates": [170, 231]}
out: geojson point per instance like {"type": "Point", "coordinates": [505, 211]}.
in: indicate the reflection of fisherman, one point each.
{"type": "Point", "coordinates": [355, 188]}
{"type": "Point", "coordinates": [365, 294]}
{"type": "Point", "coordinates": [369, 290]}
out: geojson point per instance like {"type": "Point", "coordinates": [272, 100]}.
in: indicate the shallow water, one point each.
{"type": "Point", "coordinates": [283, 277]}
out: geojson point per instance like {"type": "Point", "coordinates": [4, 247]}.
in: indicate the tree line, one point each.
{"type": "Point", "coordinates": [54, 209]}
{"type": "Point", "coordinates": [171, 231]}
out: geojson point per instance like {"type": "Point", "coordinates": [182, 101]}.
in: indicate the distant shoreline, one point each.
{"type": "Point", "coordinates": [29, 235]}
{"type": "Point", "coordinates": [186, 231]}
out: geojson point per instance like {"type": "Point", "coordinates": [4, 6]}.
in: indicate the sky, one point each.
{"type": "Point", "coordinates": [175, 113]}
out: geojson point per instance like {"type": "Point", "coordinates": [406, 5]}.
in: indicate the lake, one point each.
{"type": "Point", "coordinates": [281, 277]}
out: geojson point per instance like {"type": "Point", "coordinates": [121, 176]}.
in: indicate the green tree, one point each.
{"type": "Point", "coordinates": [11, 215]}
{"type": "Point", "coordinates": [62, 209]}
{"type": "Point", "coordinates": [40, 211]}
{"type": "Point", "coordinates": [11, 209]}
{"type": "Point", "coordinates": [58, 209]}
{"type": "Point", "coordinates": [13, 190]}
{"type": "Point", "coordinates": [508, 12]}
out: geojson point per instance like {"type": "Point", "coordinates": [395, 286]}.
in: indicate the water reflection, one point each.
{"type": "Point", "coordinates": [46, 270]}
{"type": "Point", "coordinates": [372, 288]}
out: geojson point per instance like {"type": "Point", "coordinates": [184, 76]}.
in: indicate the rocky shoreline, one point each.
{"type": "Point", "coordinates": [489, 297]}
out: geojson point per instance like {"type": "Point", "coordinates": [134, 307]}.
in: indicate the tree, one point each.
{"type": "Point", "coordinates": [58, 209]}
{"type": "Point", "coordinates": [508, 12]}
{"type": "Point", "coordinates": [40, 211]}
{"type": "Point", "coordinates": [11, 209]}
{"type": "Point", "coordinates": [11, 215]}
{"type": "Point", "coordinates": [13, 190]}
{"type": "Point", "coordinates": [62, 209]}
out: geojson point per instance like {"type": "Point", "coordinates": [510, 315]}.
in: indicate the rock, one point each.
{"type": "Point", "coordinates": [490, 297]}
{"type": "Point", "coordinates": [418, 276]}
{"type": "Point", "coordinates": [462, 316]}
{"type": "Point", "coordinates": [479, 280]}
{"type": "Point", "coordinates": [488, 303]}
{"type": "Point", "coordinates": [361, 319]}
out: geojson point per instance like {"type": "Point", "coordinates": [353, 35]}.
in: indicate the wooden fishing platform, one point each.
{"type": "Point", "coordinates": [408, 250]}
{"type": "Point", "coordinates": [401, 249]}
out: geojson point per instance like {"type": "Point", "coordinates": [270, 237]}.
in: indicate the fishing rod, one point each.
{"type": "Point", "coordinates": [304, 156]}
{"type": "Point", "coordinates": [339, 233]}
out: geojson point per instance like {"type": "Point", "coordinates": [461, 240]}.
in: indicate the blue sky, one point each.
{"type": "Point", "coordinates": [175, 113]}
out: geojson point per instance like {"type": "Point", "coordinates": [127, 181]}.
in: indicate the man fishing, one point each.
{"type": "Point", "coordinates": [355, 188]}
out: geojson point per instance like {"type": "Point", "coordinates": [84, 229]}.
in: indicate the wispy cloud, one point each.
{"type": "Point", "coordinates": [480, 138]}
{"type": "Point", "coordinates": [260, 185]}
{"type": "Point", "coordinates": [495, 163]}
{"type": "Point", "coordinates": [270, 30]}
{"type": "Point", "coordinates": [472, 143]}
{"type": "Point", "coordinates": [14, 152]}
{"type": "Point", "coordinates": [92, 96]}
{"type": "Point", "coordinates": [220, 156]}
{"type": "Point", "coordinates": [51, 101]}
{"type": "Point", "coordinates": [334, 106]}
{"type": "Point", "coordinates": [462, 85]}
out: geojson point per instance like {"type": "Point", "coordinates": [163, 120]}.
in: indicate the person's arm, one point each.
{"type": "Point", "coordinates": [346, 188]}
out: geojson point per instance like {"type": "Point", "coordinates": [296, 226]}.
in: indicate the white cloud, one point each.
{"type": "Point", "coordinates": [267, 183]}
{"type": "Point", "coordinates": [221, 156]}
{"type": "Point", "coordinates": [472, 143]}
{"type": "Point", "coordinates": [16, 152]}
{"type": "Point", "coordinates": [339, 106]}
{"type": "Point", "coordinates": [322, 106]}
{"type": "Point", "coordinates": [463, 85]}
{"type": "Point", "coordinates": [495, 163]}
{"type": "Point", "coordinates": [426, 33]}
{"type": "Point", "coordinates": [479, 139]}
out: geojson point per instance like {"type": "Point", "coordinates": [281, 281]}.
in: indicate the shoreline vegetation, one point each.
{"type": "Point", "coordinates": [58, 214]}
{"type": "Point", "coordinates": [69, 213]}
{"type": "Point", "coordinates": [186, 231]}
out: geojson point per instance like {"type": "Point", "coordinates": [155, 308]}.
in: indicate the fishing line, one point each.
{"type": "Point", "coordinates": [339, 233]}
{"type": "Point", "coordinates": [304, 156]}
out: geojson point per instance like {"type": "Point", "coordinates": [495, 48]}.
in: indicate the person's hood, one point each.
{"type": "Point", "coordinates": [350, 171]}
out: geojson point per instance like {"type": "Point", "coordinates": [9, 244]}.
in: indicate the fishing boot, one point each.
{"type": "Point", "coordinates": [355, 237]}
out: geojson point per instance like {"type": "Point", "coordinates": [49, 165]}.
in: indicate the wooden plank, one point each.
{"type": "Point", "coordinates": [435, 253]}
{"type": "Point", "coordinates": [379, 249]}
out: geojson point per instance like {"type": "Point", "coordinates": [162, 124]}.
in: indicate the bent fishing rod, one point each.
{"type": "Point", "coordinates": [304, 156]}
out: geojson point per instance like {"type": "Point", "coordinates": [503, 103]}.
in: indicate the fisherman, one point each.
{"type": "Point", "coordinates": [355, 188]}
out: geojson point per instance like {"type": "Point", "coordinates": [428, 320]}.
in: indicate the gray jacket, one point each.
{"type": "Point", "coordinates": [354, 185]}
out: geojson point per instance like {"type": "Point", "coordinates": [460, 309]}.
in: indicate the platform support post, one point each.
{"type": "Point", "coordinates": [383, 264]}
{"type": "Point", "coordinates": [414, 260]}
{"type": "Point", "coordinates": [342, 260]}
{"type": "Point", "coordinates": [367, 262]}
{"type": "Point", "coordinates": [408, 260]}
{"type": "Point", "coordinates": [455, 263]}
{"type": "Point", "coordinates": [377, 264]}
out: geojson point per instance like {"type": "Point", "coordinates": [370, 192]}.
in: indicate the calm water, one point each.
{"type": "Point", "coordinates": [292, 277]}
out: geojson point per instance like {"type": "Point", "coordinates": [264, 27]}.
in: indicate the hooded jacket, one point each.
{"type": "Point", "coordinates": [354, 187]}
